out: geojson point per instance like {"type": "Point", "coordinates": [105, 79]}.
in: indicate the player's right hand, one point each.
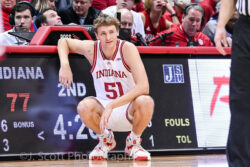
{"type": "Point", "coordinates": [65, 76]}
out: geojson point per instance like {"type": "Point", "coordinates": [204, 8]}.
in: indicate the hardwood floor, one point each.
{"type": "Point", "coordinates": [211, 160]}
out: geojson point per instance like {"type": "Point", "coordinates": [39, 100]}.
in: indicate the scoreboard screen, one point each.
{"type": "Point", "coordinates": [39, 116]}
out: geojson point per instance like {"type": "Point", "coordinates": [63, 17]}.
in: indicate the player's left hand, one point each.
{"type": "Point", "coordinates": [105, 117]}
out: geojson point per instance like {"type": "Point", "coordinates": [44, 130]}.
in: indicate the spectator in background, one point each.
{"type": "Point", "coordinates": [210, 27]}
{"type": "Point", "coordinates": [21, 18]}
{"type": "Point", "coordinates": [153, 19]}
{"type": "Point", "coordinates": [48, 17]}
{"type": "Point", "coordinates": [139, 7]}
{"type": "Point", "coordinates": [126, 24]}
{"type": "Point", "coordinates": [128, 4]}
{"type": "Point", "coordinates": [80, 13]}
{"type": "Point", "coordinates": [52, 4]}
{"type": "Point", "coordinates": [7, 6]}
{"type": "Point", "coordinates": [40, 5]}
{"type": "Point", "coordinates": [126, 18]}
{"type": "Point", "coordinates": [187, 33]}
{"type": "Point", "coordinates": [102, 4]}
{"type": "Point", "coordinates": [60, 4]}
{"type": "Point", "coordinates": [178, 8]}
{"type": "Point", "coordinates": [209, 7]}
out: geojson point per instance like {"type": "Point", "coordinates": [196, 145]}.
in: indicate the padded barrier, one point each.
{"type": "Point", "coordinates": [189, 87]}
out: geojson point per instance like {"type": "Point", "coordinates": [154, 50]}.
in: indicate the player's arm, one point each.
{"type": "Point", "coordinates": [66, 45]}
{"type": "Point", "coordinates": [134, 62]}
{"type": "Point", "coordinates": [226, 11]}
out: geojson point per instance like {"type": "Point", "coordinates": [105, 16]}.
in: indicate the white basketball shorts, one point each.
{"type": "Point", "coordinates": [120, 120]}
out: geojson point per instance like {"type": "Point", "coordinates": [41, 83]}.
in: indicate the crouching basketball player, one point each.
{"type": "Point", "coordinates": [122, 102]}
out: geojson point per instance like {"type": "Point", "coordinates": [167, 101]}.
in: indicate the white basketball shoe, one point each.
{"type": "Point", "coordinates": [134, 149]}
{"type": "Point", "coordinates": [105, 145]}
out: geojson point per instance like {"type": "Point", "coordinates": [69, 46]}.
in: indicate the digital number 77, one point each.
{"type": "Point", "coordinates": [14, 96]}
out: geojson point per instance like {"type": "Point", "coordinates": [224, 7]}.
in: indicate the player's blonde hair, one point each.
{"type": "Point", "coordinates": [105, 20]}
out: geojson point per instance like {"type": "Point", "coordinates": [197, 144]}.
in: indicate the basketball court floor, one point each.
{"type": "Point", "coordinates": [210, 160]}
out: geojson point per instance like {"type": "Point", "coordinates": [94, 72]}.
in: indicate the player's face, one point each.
{"type": "Point", "coordinates": [52, 18]}
{"type": "Point", "coordinates": [191, 23]}
{"type": "Point", "coordinates": [81, 7]}
{"type": "Point", "coordinates": [23, 21]}
{"type": "Point", "coordinates": [107, 35]}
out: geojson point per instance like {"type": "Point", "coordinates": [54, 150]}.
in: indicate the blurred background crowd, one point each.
{"type": "Point", "coordinates": [148, 22]}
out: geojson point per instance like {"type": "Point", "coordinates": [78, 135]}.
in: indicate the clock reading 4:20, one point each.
{"type": "Point", "coordinates": [59, 129]}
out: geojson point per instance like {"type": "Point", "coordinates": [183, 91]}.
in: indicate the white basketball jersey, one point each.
{"type": "Point", "coordinates": [112, 77]}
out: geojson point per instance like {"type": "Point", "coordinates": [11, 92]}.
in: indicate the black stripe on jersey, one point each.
{"type": "Point", "coordinates": [240, 8]}
{"type": "Point", "coordinates": [246, 8]}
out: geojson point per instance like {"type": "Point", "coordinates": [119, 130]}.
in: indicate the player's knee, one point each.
{"type": "Point", "coordinates": [144, 103]}
{"type": "Point", "coordinates": [85, 107]}
{"type": "Point", "coordinates": [81, 107]}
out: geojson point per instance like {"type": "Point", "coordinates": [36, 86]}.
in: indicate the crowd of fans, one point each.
{"type": "Point", "coordinates": [150, 22]}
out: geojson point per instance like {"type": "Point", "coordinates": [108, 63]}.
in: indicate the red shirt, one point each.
{"type": "Point", "coordinates": [167, 15]}
{"type": "Point", "coordinates": [139, 7]}
{"type": "Point", "coordinates": [181, 37]}
{"type": "Point", "coordinates": [208, 6]}
{"type": "Point", "coordinates": [5, 17]}
{"type": "Point", "coordinates": [102, 4]}
{"type": "Point", "coordinates": [150, 31]}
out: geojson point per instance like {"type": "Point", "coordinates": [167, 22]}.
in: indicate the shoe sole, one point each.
{"type": "Point", "coordinates": [142, 159]}
{"type": "Point", "coordinates": [97, 158]}
{"type": "Point", "coordinates": [101, 157]}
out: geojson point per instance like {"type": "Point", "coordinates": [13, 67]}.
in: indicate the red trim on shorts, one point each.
{"type": "Point", "coordinates": [94, 58]}
{"type": "Point", "coordinates": [123, 61]}
{"type": "Point", "coordinates": [127, 112]}
{"type": "Point", "coordinates": [92, 97]}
